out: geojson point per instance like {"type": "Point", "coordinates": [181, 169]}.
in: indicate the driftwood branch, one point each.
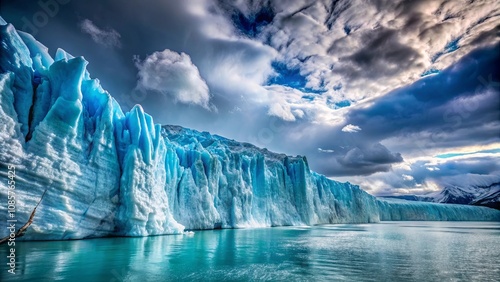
{"type": "Point", "coordinates": [20, 232]}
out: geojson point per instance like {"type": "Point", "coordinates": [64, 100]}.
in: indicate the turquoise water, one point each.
{"type": "Point", "coordinates": [389, 251]}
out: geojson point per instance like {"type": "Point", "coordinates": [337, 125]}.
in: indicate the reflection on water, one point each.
{"type": "Point", "coordinates": [390, 251]}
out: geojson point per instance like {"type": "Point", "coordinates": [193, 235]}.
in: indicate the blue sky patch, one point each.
{"type": "Point", "coordinates": [347, 29]}
{"type": "Point", "coordinates": [308, 97]}
{"type": "Point", "coordinates": [252, 25]}
{"type": "Point", "coordinates": [429, 72]}
{"type": "Point", "coordinates": [450, 47]}
{"type": "Point", "coordinates": [291, 77]}
{"type": "Point", "coordinates": [343, 104]}
{"type": "Point", "coordinates": [337, 105]}
{"type": "Point", "coordinates": [451, 155]}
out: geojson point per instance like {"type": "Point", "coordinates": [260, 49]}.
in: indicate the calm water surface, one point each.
{"type": "Point", "coordinates": [389, 251]}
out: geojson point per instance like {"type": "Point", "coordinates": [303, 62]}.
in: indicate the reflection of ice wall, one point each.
{"type": "Point", "coordinates": [112, 173]}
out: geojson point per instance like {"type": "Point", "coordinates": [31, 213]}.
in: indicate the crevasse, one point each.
{"type": "Point", "coordinates": [107, 172]}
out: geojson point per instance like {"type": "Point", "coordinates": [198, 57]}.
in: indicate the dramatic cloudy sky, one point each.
{"type": "Point", "coordinates": [397, 96]}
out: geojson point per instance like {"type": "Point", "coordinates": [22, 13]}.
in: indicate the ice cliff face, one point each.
{"type": "Point", "coordinates": [107, 172]}
{"type": "Point", "coordinates": [104, 170]}
{"type": "Point", "coordinates": [230, 184]}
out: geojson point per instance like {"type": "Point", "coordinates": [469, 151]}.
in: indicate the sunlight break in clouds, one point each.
{"type": "Point", "coordinates": [351, 128]}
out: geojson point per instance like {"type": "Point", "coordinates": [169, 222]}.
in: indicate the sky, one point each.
{"type": "Point", "coordinates": [400, 97]}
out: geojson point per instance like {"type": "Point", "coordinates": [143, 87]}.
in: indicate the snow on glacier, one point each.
{"type": "Point", "coordinates": [107, 172]}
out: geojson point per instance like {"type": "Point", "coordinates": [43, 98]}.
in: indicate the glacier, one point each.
{"type": "Point", "coordinates": [112, 173]}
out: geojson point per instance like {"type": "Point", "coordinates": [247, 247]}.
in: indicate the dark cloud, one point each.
{"type": "Point", "coordinates": [458, 101]}
{"type": "Point", "coordinates": [487, 36]}
{"type": "Point", "coordinates": [251, 19]}
{"type": "Point", "coordinates": [335, 9]}
{"type": "Point", "coordinates": [413, 22]}
{"type": "Point", "coordinates": [375, 157]}
{"type": "Point", "coordinates": [364, 160]}
{"type": "Point", "coordinates": [382, 55]}
{"type": "Point", "coordinates": [423, 170]}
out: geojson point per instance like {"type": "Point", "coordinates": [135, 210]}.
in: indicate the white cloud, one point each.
{"type": "Point", "coordinates": [314, 111]}
{"type": "Point", "coordinates": [407, 177]}
{"type": "Point", "coordinates": [234, 67]}
{"type": "Point", "coordinates": [351, 128]}
{"type": "Point", "coordinates": [107, 37]}
{"type": "Point", "coordinates": [298, 113]}
{"type": "Point", "coordinates": [325, 150]}
{"type": "Point", "coordinates": [173, 74]}
{"type": "Point", "coordinates": [282, 111]}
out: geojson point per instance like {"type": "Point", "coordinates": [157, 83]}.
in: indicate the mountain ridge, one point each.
{"type": "Point", "coordinates": [479, 195]}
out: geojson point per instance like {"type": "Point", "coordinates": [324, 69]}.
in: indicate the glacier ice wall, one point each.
{"type": "Point", "coordinates": [397, 209]}
{"type": "Point", "coordinates": [227, 184]}
{"type": "Point", "coordinates": [103, 169]}
{"type": "Point", "coordinates": [107, 172]}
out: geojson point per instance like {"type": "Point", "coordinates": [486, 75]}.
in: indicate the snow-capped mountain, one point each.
{"type": "Point", "coordinates": [108, 172]}
{"type": "Point", "coordinates": [471, 195]}
{"type": "Point", "coordinates": [479, 195]}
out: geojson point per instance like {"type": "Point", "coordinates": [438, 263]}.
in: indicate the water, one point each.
{"type": "Point", "coordinates": [389, 251]}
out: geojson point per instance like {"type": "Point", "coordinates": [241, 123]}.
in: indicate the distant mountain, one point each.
{"type": "Point", "coordinates": [478, 195]}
